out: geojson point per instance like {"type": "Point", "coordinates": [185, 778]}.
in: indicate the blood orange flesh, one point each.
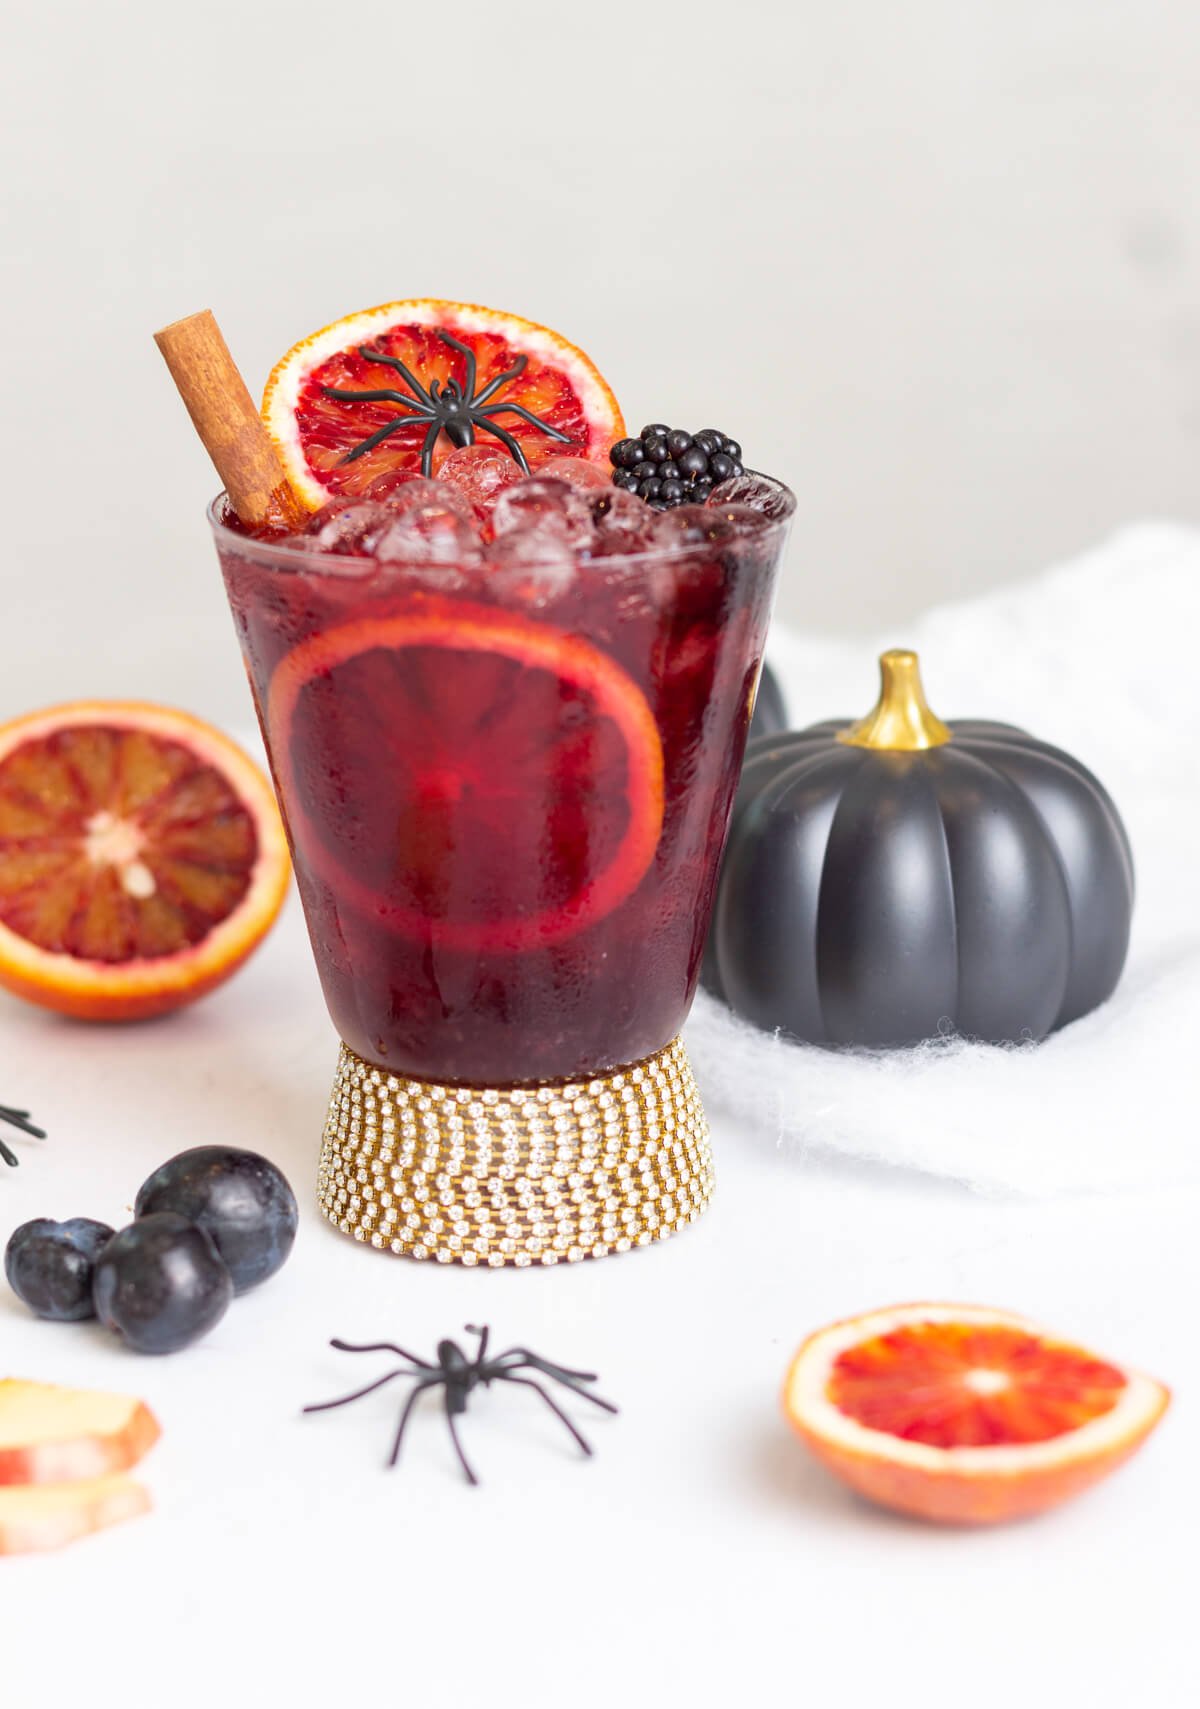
{"type": "Point", "coordinates": [316, 433]}
{"type": "Point", "coordinates": [141, 858]}
{"type": "Point", "coordinates": [959, 1385]}
{"type": "Point", "coordinates": [125, 846]}
{"type": "Point", "coordinates": [472, 731]}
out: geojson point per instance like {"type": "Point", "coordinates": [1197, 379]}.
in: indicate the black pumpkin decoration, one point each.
{"type": "Point", "coordinates": [770, 709]}
{"type": "Point", "coordinates": [888, 880]}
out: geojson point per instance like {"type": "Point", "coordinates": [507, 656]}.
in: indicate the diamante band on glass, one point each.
{"type": "Point", "coordinates": [516, 1175]}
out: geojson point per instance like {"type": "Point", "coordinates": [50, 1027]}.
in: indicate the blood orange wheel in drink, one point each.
{"type": "Point", "coordinates": [141, 858]}
{"type": "Point", "coordinates": [963, 1414]}
{"type": "Point", "coordinates": [361, 398]}
{"type": "Point", "coordinates": [483, 744]}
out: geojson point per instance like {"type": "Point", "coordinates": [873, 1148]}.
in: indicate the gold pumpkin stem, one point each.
{"type": "Point", "coordinates": [901, 718]}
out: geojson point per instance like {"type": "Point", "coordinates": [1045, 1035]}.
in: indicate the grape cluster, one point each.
{"type": "Point", "coordinates": [208, 1224]}
{"type": "Point", "coordinates": [666, 466]}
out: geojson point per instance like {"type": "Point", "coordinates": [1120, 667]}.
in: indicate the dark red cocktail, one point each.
{"type": "Point", "coordinates": [507, 778]}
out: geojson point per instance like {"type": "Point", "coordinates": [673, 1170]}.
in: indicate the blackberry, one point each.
{"type": "Point", "coordinates": [666, 466]}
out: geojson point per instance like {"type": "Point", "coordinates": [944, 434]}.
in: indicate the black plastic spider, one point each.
{"type": "Point", "coordinates": [460, 1376]}
{"type": "Point", "coordinates": [449, 408]}
{"type": "Point", "coordinates": [19, 1119]}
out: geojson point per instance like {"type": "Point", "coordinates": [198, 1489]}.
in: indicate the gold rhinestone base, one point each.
{"type": "Point", "coordinates": [520, 1175]}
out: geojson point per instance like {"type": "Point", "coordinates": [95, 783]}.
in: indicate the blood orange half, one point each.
{"type": "Point", "coordinates": [963, 1414]}
{"type": "Point", "coordinates": [316, 434]}
{"type": "Point", "coordinates": [492, 784]}
{"type": "Point", "coordinates": [141, 858]}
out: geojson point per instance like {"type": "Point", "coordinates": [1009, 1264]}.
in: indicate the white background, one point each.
{"type": "Point", "coordinates": [935, 263]}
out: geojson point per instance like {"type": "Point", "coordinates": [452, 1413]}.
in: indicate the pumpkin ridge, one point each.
{"type": "Point", "coordinates": [1076, 770]}
{"type": "Point", "coordinates": [1020, 806]}
{"type": "Point", "coordinates": [850, 772]}
{"type": "Point", "coordinates": [956, 945]}
{"type": "Point", "coordinates": [871, 925]}
{"type": "Point", "coordinates": [746, 891]}
{"type": "Point", "coordinates": [1071, 775]}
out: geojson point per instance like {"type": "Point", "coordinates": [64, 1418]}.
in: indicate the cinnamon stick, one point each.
{"type": "Point", "coordinates": [230, 427]}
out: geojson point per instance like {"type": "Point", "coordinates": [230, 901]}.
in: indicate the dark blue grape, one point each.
{"type": "Point", "coordinates": [49, 1266]}
{"type": "Point", "coordinates": [241, 1200]}
{"type": "Point", "coordinates": [161, 1284]}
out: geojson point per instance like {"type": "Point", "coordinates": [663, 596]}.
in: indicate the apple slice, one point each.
{"type": "Point", "coordinates": [52, 1435]}
{"type": "Point", "coordinates": [46, 1516]}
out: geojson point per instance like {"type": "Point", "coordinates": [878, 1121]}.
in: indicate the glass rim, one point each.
{"type": "Point", "coordinates": [298, 558]}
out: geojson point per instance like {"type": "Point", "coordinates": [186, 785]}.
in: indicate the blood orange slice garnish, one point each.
{"type": "Point", "coordinates": [142, 858]}
{"type": "Point", "coordinates": [321, 437]}
{"type": "Point", "coordinates": [963, 1414]}
{"type": "Point", "coordinates": [467, 778]}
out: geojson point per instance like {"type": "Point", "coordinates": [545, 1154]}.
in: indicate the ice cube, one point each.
{"type": "Point", "coordinates": [429, 523]}
{"type": "Point", "coordinates": [623, 523]}
{"type": "Point", "coordinates": [422, 494]}
{"type": "Point", "coordinates": [536, 545]}
{"type": "Point", "coordinates": [531, 567]}
{"type": "Point", "coordinates": [635, 590]}
{"type": "Point", "coordinates": [480, 473]}
{"type": "Point", "coordinates": [704, 525]}
{"type": "Point", "coordinates": [759, 492]}
{"type": "Point", "coordinates": [429, 537]}
{"type": "Point", "coordinates": [546, 507]}
{"type": "Point", "coordinates": [351, 526]}
{"type": "Point", "coordinates": [578, 472]}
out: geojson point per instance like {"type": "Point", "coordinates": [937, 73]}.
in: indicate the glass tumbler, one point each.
{"type": "Point", "coordinates": [506, 790]}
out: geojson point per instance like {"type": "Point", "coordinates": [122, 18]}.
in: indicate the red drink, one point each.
{"type": "Point", "coordinates": [507, 783]}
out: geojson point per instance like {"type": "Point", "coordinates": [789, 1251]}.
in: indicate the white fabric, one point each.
{"type": "Point", "coordinates": [1098, 657]}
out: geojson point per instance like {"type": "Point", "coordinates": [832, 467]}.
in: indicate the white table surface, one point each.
{"type": "Point", "coordinates": [699, 1556]}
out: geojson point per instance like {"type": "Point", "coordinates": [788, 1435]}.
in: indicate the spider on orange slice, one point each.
{"type": "Point", "coordinates": [962, 1414]}
{"type": "Point", "coordinates": [142, 858]}
{"type": "Point", "coordinates": [353, 402]}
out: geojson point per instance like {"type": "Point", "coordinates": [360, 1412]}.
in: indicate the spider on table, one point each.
{"type": "Point", "coordinates": [459, 1375]}
{"type": "Point", "coordinates": [450, 408]}
{"type": "Point", "coordinates": [18, 1119]}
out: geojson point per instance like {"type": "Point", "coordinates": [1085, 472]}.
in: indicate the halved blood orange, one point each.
{"type": "Point", "coordinates": [963, 1414]}
{"type": "Point", "coordinates": [316, 433]}
{"type": "Point", "coordinates": [493, 784]}
{"type": "Point", "coordinates": [142, 858]}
